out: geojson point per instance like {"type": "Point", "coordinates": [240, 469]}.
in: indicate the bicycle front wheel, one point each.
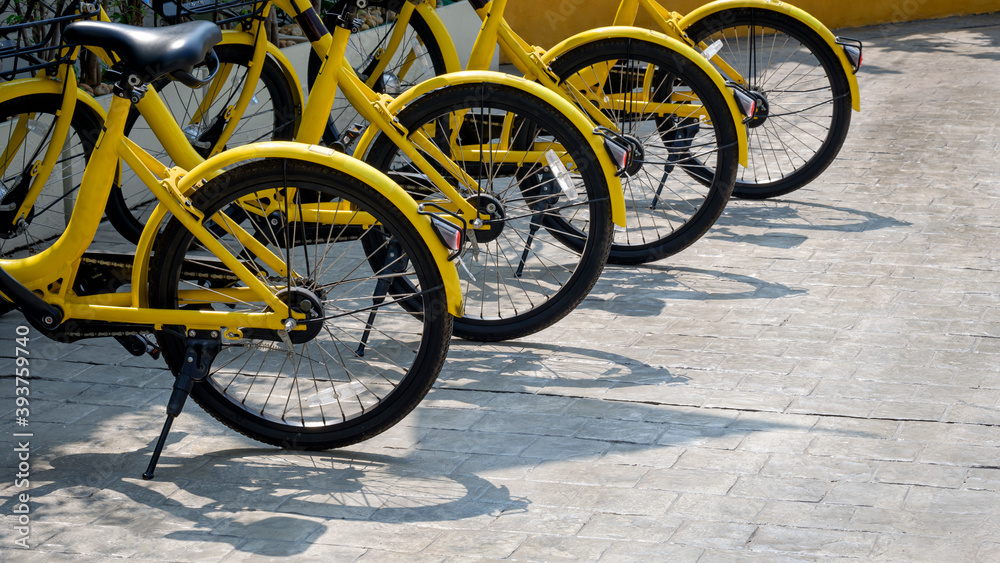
{"type": "Point", "coordinates": [537, 178]}
{"type": "Point", "coordinates": [683, 137]}
{"type": "Point", "coordinates": [804, 89]}
{"type": "Point", "coordinates": [363, 358]}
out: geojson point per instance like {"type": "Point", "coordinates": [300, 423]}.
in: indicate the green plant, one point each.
{"type": "Point", "coordinates": [132, 12]}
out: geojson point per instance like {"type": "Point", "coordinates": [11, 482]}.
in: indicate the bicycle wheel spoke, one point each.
{"type": "Point", "coordinates": [807, 99]}
{"type": "Point", "coordinates": [309, 386]}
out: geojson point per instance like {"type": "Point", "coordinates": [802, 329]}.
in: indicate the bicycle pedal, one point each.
{"type": "Point", "coordinates": [152, 348]}
{"type": "Point", "coordinates": [134, 344]}
{"type": "Point", "coordinates": [351, 134]}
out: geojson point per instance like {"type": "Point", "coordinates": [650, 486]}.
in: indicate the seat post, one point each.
{"type": "Point", "coordinates": [486, 42]}
{"type": "Point", "coordinates": [128, 89]}
{"type": "Point", "coordinates": [97, 180]}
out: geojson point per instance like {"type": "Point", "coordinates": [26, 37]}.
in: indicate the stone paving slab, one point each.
{"type": "Point", "coordinates": [816, 379]}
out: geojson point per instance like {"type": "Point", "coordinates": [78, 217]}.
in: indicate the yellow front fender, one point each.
{"type": "Point", "coordinates": [326, 157]}
{"type": "Point", "coordinates": [790, 11]}
{"type": "Point", "coordinates": [562, 106]}
{"type": "Point", "coordinates": [448, 51]}
{"type": "Point", "coordinates": [638, 34]}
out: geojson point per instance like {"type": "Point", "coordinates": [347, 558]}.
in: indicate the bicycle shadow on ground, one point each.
{"type": "Point", "coordinates": [275, 502]}
{"type": "Point", "coordinates": [778, 224]}
{"type": "Point", "coordinates": [874, 69]}
{"type": "Point", "coordinates": [541, 391]}
{"type": "Point", "coordinates": [784, 220]}
{"type": "Point", "coordinates": [976, 36]}
{"type": "Point", "coordinates": [283, 496]}
{"type": "Point", "coordinates": [527, 367]}
{"type": "Point", "coordinates": [618, 289]}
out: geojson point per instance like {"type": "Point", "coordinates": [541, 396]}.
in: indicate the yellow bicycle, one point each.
{"type": "Point", "coordinates": [271, 274]}
{"type": "Point", "coordinates": [691, 122]}
{"type": "Point", "coordinates": [519, 167]}
{"type": "Point", "coordinates": [673, 108]}
{"type": "Point", "coordinates": [800, 75]}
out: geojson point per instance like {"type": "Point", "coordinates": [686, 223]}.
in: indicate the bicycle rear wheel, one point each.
{"type": "Point", "coordinates": [523, 277]}
{"type": "Point", "coordinates": [683, 164]}
{"type": "Point", "coordinates": [804, 87]}
{"type": "Point", "coordinates": [202, 115]}
{"type": "Point", "coordinates": [26, 127]}
{"type": "Point", "coordinates": [362, 359]}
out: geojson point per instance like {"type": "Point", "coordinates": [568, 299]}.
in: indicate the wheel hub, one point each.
{"type": "Point", "coordinates": [489, 205]}
{"type": "Point", "coordinates": [311, 305]}
{"type": "Point", "coordinates": [9, 229]}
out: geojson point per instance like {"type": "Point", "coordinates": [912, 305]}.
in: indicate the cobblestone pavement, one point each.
{"type": "Point", "coordinates": [818, 378]}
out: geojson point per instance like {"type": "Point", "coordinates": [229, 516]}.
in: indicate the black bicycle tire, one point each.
{"type": "Point", "coordinates": [168, 256]}
{"type": "Point", "coordinates": [118, 212]}
{"type": "Point", "coordinates": [593, 254]}
{"type": "Point", "coordinates": [699, 223]}
{"type": "Point", "coordinates": [841, 119]}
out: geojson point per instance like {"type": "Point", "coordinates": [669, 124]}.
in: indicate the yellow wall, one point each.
{"type": "Point", "coordinates": [546, 22]}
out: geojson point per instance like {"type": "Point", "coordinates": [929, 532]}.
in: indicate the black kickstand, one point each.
{"type": "Point", "coordinates": [678, 141]}
{"type": "Point", "coordinates": [393, 265]}
{"type": "Point", "coordinates": [536, 223]}
{"type": "Point", "coordinates": [198, 357]}
{"type": "Point", "coordinates": [659, 190]}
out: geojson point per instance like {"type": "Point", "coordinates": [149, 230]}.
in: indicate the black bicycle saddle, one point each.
{"type": "Point", "coordinates": [150, 53]}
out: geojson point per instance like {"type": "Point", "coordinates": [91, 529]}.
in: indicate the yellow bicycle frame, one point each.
{"type": "Point", "coordinates": [373, 107]}
{"type": "Point", "coordinates": [534, 62]}
{"type": "Point", "coordinates": [261, 49]}
{"type": "Point", "coordinates": [477, 77]}
{"type": "Point", "coordinates": [38, 274]}
{"type": "Point", "coordinates": [674, 45]}
{"type": "Point", "coordinates": [326, 157]}
{"type": "Point", "coordinates": [178, 147]}
{"type": "Point", "coordinates": [672, 24]}
{"type": "Point", "coordinates": [380, 110]}
{"type": "Point", "coordinates": [65, 86]}
{"type": "Point", "coordinates": [438, 29]}
{"type": "Point", "coordinates": [52, 271]}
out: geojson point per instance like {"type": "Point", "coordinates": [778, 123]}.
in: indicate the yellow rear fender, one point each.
{"type": "Point", "coordinates": [791, 11]}
{"type": "Point", "coordinates": [291, 78]}
{"type": "Point", "coordinates": [638, 34]}
{"type": "Point", "coordinates": [578, 118]}
{"type": "Point", "coordinates": [345, 164]}
{"type": "Point", "coordinates": [36, 86]}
